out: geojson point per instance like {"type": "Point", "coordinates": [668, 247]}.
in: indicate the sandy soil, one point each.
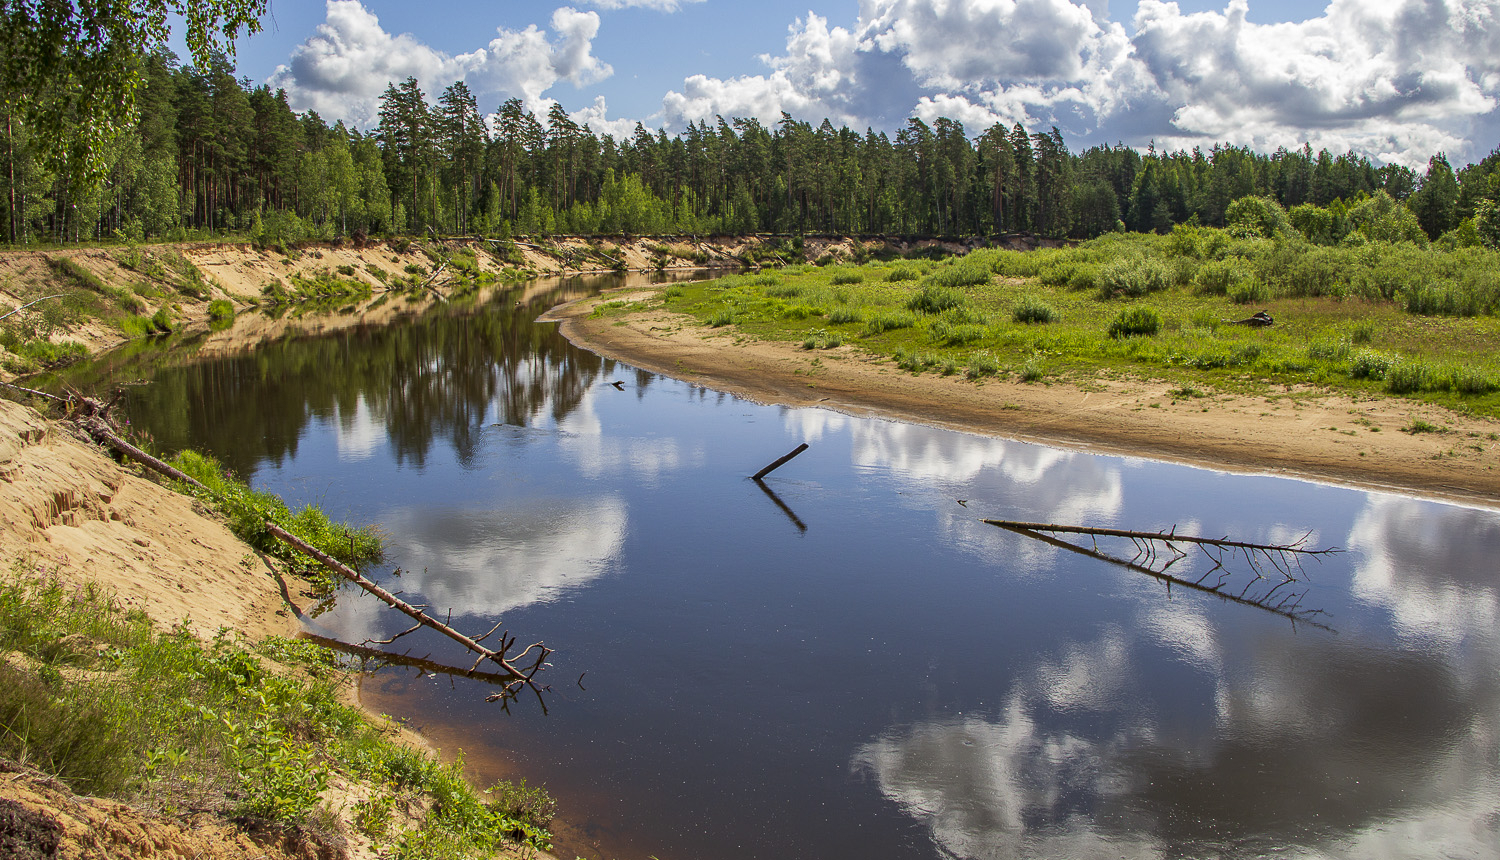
{"type": "Point", "coordinates": [73, 511]}
{"type": "Point", "coordinates": [1301, 433]}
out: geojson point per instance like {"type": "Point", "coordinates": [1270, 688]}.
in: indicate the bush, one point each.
{"type": "Point", "coordinates": [220, 311]}
{"type": "Point", "coordinates": [1218, 277]}
{"type": "Point", "coordinates": [1406, 377]}
{"type": "Point", "coordinates": [885, 321]}
{"type": "Point", "coordinates": [843, 314]}
{"type": "Point", "coordinates": [1368, 364]}
{"type": "Point", "coordinates": [1135, 321]}
{"type": "Point", "coordinates": [1133, 277]}
{"type": "Point", "coordinates": [964, 272]}
{"type": "Point", "coordinates": [849, 276]}
{"type": "Point", "coordinates": [982, 364]}
{"type": "Point", "coordinates": [1033, 311]}
{"type": "Point", "coordinates": [901, 273]}
{"type": "Point", "coordinates": [934, 300]}
{"type": "Point", "coordinates": [949, 334]}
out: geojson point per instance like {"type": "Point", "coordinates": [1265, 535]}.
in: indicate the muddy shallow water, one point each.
{"type": "Point", "coordinates": [848, 661]}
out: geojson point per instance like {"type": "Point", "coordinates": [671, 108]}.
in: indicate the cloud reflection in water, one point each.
{"type": "Point", "coordinates": [1309, 744]}
{"type": "Point", "coordinates": [485, 563]}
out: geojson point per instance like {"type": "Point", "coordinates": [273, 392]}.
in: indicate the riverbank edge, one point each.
{"type": "Point", "coordinates": [1302, 434]}
{"type": "Point", "coordinates": [73, 512]}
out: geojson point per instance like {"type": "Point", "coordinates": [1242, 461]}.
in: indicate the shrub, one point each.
{"type": "Point", "coordinates": [1135, 321]}
{"type": "Point", "coordinates": [1257, 216]}
{"type": "Point", "coordinates": [1032, 311]}
{"type": "Point", "coordinates": [1368, 364]}
{"type": "Point", "coordinates": [849, 276]}
{"type": "Point", "coordinates": [1443, 298]}
{"type": "Point", "coordinates": [1133, 277]}
{"type": "Point", "coordinates": [885, 321]}
{"type": "Point", "coordinates": [1405, 376]}
{"type": "Point", "coordinates": [901, 273]}
{"type": "Point", "coordinates": [783, 291]}
{"type": "Point", "coordinates": [982, 364]}
{"type": "Point", "coordinates": [964, 272]}
{"type": "Point", "coordinates": [1218, 277]}
{"type": "Point", "coordinates": [1249, 291]}
{"type": "Point", "coordinates": [955, 335]}
{"type": "Point", "coordinates": [934, 300]}
{"type": "Point", "coordinates": [843, 314]}
{"type": "Point", "coordinates": [721, 318]}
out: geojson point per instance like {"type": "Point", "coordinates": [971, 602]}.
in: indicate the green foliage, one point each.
{"type": "Point", "coordinates": [220, 314]}
{"type": "Point", "coordinates": [26, 356]}
{"type": "Point", "coordinates": [844, 314]}
{"type": "Point", "coordinates": [114, 708]}
{"type": "Point", "coordinates": [1257, 216]}
{"type": "Point", "coordinates": [1133, 277]}
{"type": "Point", "coordinates": [1133, 322]}
{"type": "Point", "coordinates": [963, 272]}
{"type": "Point", "coordinates": [1031, 310]}
{"type": "Point", "coordinates": [949, 334]}
{"type": "Point", "coordinates": [848, 276]}
{"type": "Point", "coordinates": [248, 510]}
{"type": "Point", "coordinates": [902, 273]}
{"type": "Point", "coordinates": [881, 322]}
{"type": "Point", "coordinates": [934, 299]}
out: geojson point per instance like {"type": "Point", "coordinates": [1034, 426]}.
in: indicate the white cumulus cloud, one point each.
{"type": "Point", "coordinates": [1397, 81]}
{"type": "Point", "coordinates": [344, 67]}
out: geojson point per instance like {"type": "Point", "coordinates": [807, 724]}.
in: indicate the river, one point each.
{"type": "Point", "coordinates": [847, 661]}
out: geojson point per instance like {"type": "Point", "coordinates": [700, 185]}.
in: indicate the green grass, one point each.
{"type": "Point", "coordinates": [247, 511]}
{"type": "Point", "coordinates": [93, 695]}
{"type": "Point", "coordinates": [1360, 320]}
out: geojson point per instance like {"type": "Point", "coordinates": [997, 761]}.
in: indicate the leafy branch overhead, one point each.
{"type": "Point", "coordinates": [72, 70]}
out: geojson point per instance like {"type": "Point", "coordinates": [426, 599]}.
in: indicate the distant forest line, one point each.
{"type": "Point", "coordinates": [212, 155]}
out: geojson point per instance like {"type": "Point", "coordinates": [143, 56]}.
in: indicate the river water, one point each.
{"type": "Point", "coordinates": [848, 662]}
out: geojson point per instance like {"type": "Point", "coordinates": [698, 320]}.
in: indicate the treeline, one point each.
{"type": "Point", "coordinates": [213, 155]}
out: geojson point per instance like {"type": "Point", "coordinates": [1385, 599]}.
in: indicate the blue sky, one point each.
{"type": "Point", "coordinates": [1397, 80]}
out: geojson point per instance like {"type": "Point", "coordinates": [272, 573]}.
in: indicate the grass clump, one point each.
{"type": "Point", "coordinates": [933, 299]}
{"type": "Point", "coordinates": [1031, 311]}
{"type": "Point", "coordinates": [844, 314]}
{"type": "Point", "coordinates": [1135, 322]}
{"type": "Point", "coordinates": [848, 276]}
{"type": "Point", "coordinates": [884, 321]}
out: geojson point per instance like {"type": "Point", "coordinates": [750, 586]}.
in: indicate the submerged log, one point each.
{"type": "Point", "coordinates": [779, 463]}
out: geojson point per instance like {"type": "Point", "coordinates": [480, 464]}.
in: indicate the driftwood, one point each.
{"type": "Point", "coordinates": [27, 305]}
{"type": "Point", "coordinates": [1260, 319]}
{"type": "Point", "coordinates": [779, 463]}
{"type": "Point", "coordinates": [92, 419]}
{"type": "Point", "coordinates": [1280, 593]}
{"type": "Point", "coordinates": [368, 655]}
{"type": "Point", "coordinates": [428, 284]}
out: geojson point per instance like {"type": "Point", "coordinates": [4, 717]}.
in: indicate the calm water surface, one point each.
{"type": "Point", "coordinates": [859, 667]}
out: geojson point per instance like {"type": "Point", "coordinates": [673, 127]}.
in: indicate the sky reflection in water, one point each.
{"type": "Point", "coordinates": [893, 678]}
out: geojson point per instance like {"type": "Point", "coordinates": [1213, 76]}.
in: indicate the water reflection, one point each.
{"type": "Point", "coordinates": [866, 668]}
{"type": "Point", "coordinates": [1433, 569]}
{"type": "Point", "coordinates": [1315, 742]}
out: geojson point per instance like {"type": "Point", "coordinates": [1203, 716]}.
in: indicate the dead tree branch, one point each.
{"type": "Point", "coordinates": [1157, 552]}
{"type": "Point", "coordinates": [27, 305]}
{"type": "Point", "coordinates": [92, 421]}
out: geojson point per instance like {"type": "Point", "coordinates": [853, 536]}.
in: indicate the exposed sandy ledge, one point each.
{"type": "Point", "coordinates": [1304, 434]}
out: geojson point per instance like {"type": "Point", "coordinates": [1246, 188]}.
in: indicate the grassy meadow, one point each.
{"type": "Point", "coordinates": [1363, 319]}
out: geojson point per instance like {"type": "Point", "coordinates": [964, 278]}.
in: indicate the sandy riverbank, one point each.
{"type": "Point", "coordinates": [1300, 433]}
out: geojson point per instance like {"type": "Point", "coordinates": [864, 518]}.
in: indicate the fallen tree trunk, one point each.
{"type": "Point", "coordinates": [93, 423]}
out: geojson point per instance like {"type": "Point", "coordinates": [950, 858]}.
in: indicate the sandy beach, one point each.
{"type": "Point", "coordinates": [1301, 433]}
